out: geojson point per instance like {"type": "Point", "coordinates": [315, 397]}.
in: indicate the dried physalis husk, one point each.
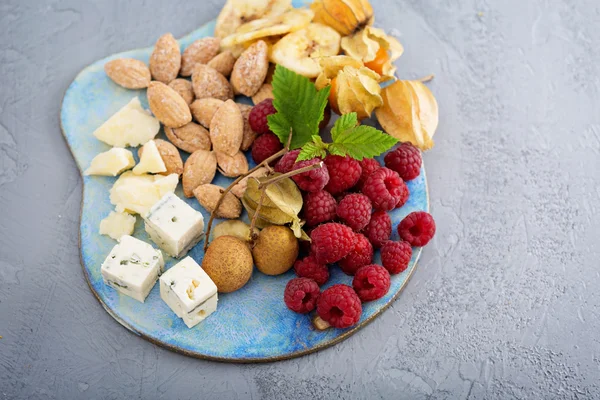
{"type": "Point", "coordinates": [240, 188]}
{"type": "Point", "coordinates": [345, 16]}
{"type": "Point", "coordinates": [409, 113]}
{"type": "Point", "coordinates": [354, 87]}
{"type": "Point", "coordinates": [375, 49]}
{"type": "Point", "coordinates": [233, 227]}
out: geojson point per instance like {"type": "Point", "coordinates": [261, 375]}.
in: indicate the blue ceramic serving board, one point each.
{"type": "Point", "coordinates": [250, 325]}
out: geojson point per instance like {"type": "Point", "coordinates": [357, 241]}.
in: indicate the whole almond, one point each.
{"type": "Point", "coordinates": [199, 169]}
{"type": "Point", "coordinates": [249, 135]}
{"type": "Point", "coordinates": [190, 137]}
{"type": "Point", "coordinates": [128, 72]}
{"type": "Point", "coordinates": [170, 156]}
{"type": "Point", "coordinates": [232, 167]}
{"type": "Point", "coordinates": [227, 128]}
{"type": "Point", "coordinates": [167, 105]}
{"type": "Point", "coordinates": [207, 82]}
{"type": "Point", "coordinates": [204, 109]}
{"type": "Point", "coordinates": [165, 59]}
{"type": "Point", "coordinates": [265, 92]}
{"type": "Point", "coordinates": [250, 70]}
{"type": "Point", "coordinates": [223, 62]}
{"type": "Point", "coordinates": [184, 88]}
{"type": "Point", "coordinates": [199, 52]}
{"type": "Point", "coordinates": [240, 188]}
{"type": "Point", "coordinates": [208, 195]}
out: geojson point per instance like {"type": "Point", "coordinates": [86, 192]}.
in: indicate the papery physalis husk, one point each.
{"type": "Point", "coordinates": [345, 16]}
{"type": "Point", "coordinates": [354, 87]}
{"type": "Point", "coordinates": [409, 113]}
{"type": "Point", "coordinates": [237, 12]}
{"type": "Point", "coordinates": [375, 49]}
{"type": "Point", "coordinates": [289, 21]}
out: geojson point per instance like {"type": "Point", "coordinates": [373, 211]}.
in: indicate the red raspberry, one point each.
{"type": "Point", "coordinates": [368, 165]}
{"type": "Point", "coordinates": [395, 256]}
{"type": "Point", "coordinates": [371, 282]}
{"type": "Point", "coordinates": [308, 267]}
{"type": "Point", "coordinates": [386, 189]}
{"type": "Point", "coordinates": [319, 207]}
{"type": "Point", "coordinates": [331, 242]}
{"type": "Point", "coordinates": [258, 116]}
{"type": "Point", "coordinates": [313, 180]}
{"type": "Point", "coordinates": [340, 306]}
{"type": "Point", "coordinates": [379, 228]}
{"type": "Point", "coordinates": [343, 173]}
{"type": "Point", "coordinates": [405, 160]}
{"type": "Point", "coordinates": [361, 255]}
{"type": "Point", "coordinates": [301, 295]}
{"type": "Point", "coordinates": [265, 146]}
{"type": "Point", "coordinates": [355, 211]}
{"type": "Point", "coordinates": [417, 228]}
{"type": "Point", "coordinates": [286, 162]}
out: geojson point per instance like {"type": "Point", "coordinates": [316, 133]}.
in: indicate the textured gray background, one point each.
{"type": "Point", "coordinates": [504, 303]}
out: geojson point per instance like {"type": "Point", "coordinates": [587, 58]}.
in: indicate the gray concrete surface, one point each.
{"type": "Point", "coordinates": [505, 303]}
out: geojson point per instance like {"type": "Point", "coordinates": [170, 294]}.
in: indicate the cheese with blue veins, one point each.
{"type": "Point", "coordinates": [174, 225]}
{"type": "Point", "coordinates": [189, 292]}
{"type": "Point", "coordinates": [132, 267]}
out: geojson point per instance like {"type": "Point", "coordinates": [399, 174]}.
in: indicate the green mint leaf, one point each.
{"type": "Point", "coordinates": [310, 150]}
{"type": "Point", "coordinates": [300, 107]}
{"type": "Point", "coordinates": [362, 142]}
{"type": "Point", "coordinates": [343, 124]}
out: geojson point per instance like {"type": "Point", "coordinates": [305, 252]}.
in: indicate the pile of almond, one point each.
{"type": "Point", "coordinates": [199, 115]}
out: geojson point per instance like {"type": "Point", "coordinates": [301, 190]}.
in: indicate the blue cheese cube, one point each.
{"type": "Point", "coordinates": [189, 292]}
{"type": "Point", "coordinates": [132, 267]}
{"type": "Point", "coordinates": [174, 226]}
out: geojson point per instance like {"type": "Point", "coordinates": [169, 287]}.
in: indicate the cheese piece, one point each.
{"type": "Point", "coordinates": [150, 161]}
{"type": "Point", "coordinates": [189, 292]}
{"type": "Point", "coordinates": [174, 226]}
{"type": "Point", "coordinates": [138, 193]}
{"type": "Point", "coordinates": [132, 267]}
{"type": "Point", "coordinates": [130, 126]}
{"type": "Point", "coordinates": [111, 162]}
{"type": "Point", "coordinates": [117, 224]}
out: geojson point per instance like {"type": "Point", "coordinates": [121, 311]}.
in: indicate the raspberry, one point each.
{"type": "Point", "coordinates": [319, 207]}
{"type": "Point", "coordinates": [286, 162]}
{"type": "Point", "coordinates": [368, 165]}
{"type": "Point", "coordinates": [340, 306]}
{"type": "Point", "coordinates": [386, 189]}
{"type": "Point", "coordinates": [258, 116]}
{"type": "Point", "coordinates": [308, 267]}
{"type": "Point", "coordinates": [361, 255]}
{"type": "Point", "coordinates": [313, 180]}
{"type": "Point", "coordinates": [417, 228]}
{"type": "Point", "coordinates": [405, 160]}
{"type": "Point", "coordinates": [343, 173]}
{"type": "Point", "coordinates": [355, 211]}
{"type": "Point", "coordinates": [265, 146]}
{"type": "Point", "coordinates": [395, 256]}
{"type": "Point", "coordinates": [301, 295]}
{"type": "Point", "coordinates": [331, 242]}
{"type": "Point", "coordinates": [379, 229]}
{"type": "Point", "coordinates": [371, 282]}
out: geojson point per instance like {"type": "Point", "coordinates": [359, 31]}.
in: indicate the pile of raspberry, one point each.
{"type": "Point", "coordinates": [346, 204]}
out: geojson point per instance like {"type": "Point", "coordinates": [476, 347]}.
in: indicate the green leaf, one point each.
{"type": "Point", "coordinates": [300, 107]}
{"type": "Point", "coordinates": [343, 124]}
{"type": "Point", "coordinates": [316, 148]}
{"type": "Point", "coordinates": [362, 142]}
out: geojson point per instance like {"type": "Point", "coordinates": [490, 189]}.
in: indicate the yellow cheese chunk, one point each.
{"type": "Point", "coordinates": [111, 162]}
{"type": "Point", "coordinates": [117, 224]}
{"type": "Point", "coordinates": [150, 161]}
{"type": "Point", "coordinates": [136, 194]}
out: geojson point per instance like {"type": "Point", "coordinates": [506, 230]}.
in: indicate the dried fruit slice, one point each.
{"type": "Point", "coordinates": [300, 51]}
{"type": "Point", "coordinates": [345, 16]}
{"type": "Point", "coordinates": [237, 12]}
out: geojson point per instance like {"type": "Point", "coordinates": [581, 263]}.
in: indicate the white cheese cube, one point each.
{"type": "Point", "coordinates": [189, 292]}
{"type": "Point", "coordinates": [150, 160]}
{"type": "Point", "coordinates": [117, 224]}
{"type": "Point", "coordinates": [111, 162]}
{"type": "Point", "coordinates": [132, 267]}
{"type": "Point", "coordinates": [130, 126]}
{"type": "Point", "coordinates": [174, 226]}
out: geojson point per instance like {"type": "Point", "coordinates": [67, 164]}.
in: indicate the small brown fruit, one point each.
{"type": "Point", "coordinates": [228, 262]}
{"type": "Point", "coordinates": [275, 250]}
